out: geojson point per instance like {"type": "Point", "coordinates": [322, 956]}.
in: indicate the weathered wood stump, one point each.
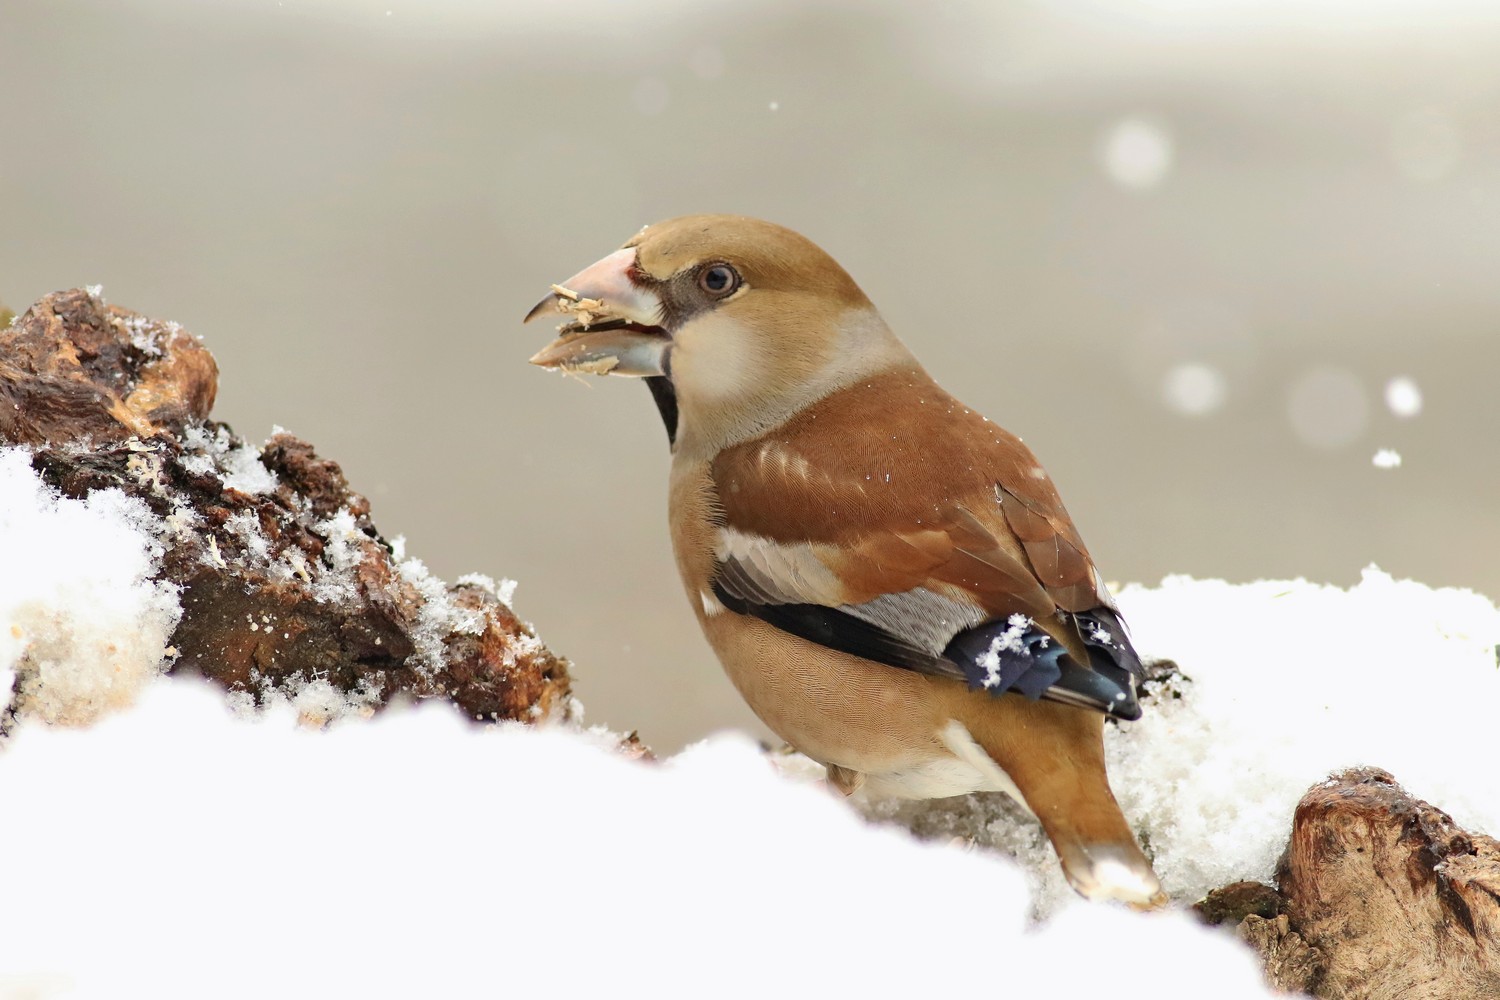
{"type": "Point", "coordinates": [287, 586]}
{"type": "Point", "coordinates": [1380, 896]}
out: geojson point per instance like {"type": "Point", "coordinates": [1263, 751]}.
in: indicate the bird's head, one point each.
{"type": "Point", "coordinates": [739, 323]}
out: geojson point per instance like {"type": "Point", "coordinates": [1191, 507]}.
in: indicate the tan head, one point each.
{"type": "Point", "coordinates": [748, 321]}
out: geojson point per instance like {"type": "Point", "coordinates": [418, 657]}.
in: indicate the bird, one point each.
{"type": "Point", "coordinates": [889, 578]}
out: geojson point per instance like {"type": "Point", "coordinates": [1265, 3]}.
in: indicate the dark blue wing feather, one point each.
{"type": "Point", "coordinates": [997, 656]}
{"type": "Point", "coordinates": [1017, 655]}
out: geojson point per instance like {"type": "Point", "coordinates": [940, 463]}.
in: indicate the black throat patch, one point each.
{"type": "Point", "coordinates": [666, 403]}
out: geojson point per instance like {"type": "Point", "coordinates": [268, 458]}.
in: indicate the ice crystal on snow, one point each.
{"type": "Point", "coordinates": [440, 616]}
{"type": "Point", "coordinates": [238, 467]}
{"type": "Point", "coordinates": [503, 591]}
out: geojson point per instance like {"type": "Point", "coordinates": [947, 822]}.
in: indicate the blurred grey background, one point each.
{"type": "Point", "coordinates": [1209, 257]}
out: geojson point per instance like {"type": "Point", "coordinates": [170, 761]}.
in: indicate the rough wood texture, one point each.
{"type": "Point", "coordinates": [1256, 913]}
{"type": "Point", "coordinates": [1380, 896]}
{"type": "Point", "coordinates": [1291, 964]}
{"type": "Point", "coordinates": [287, 587]}
{"type": "Point", "coordinates": [1400, 902]}
{"type": "Point", "coordinates": [73, 368]}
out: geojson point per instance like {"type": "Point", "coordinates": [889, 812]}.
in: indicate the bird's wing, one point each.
{"type": "Point", "coordinates": [941, 549]}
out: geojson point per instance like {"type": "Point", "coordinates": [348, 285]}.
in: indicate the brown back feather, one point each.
{"type": "Point", "coordinates": [911, 488]}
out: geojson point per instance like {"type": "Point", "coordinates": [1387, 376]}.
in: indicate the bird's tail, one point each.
{"type": "Point", "coordinates": [1055, 755]}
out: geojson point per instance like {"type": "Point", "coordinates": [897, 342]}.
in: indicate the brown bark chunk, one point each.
{"type": "Point", "coordinates": [1379, 896]}
{"type": "Point", "coordinates": [73, 367]}
{"type": "Point", "coordinates": [1400, 901]}
{"type": "Point", "coordinates": [284, 582]}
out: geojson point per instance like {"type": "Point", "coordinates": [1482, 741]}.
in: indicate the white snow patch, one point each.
{"type": "Point", "coordinates": [503, 590]}
{"type": "Point", "coordinates": [245, 527]}
{"type": "Point", "coordinates": [82, 625]}
{"type": "Point", "coordinates": [238, 467]}
{"type": "Point", "coordinates": [1386, 458]}
{"type": "Point", "coordinates": [142, 337]}
{"type": "Point", "coordinates": [441, 616]}
{"type": "Point", "coordinates": [316, 702]}
{"type": "Point", "coordinates": [1290, 681]}
{"type": "Point", "coordinates": [599, 876]}
{"type": "Point", "coordinates": [334, 581]}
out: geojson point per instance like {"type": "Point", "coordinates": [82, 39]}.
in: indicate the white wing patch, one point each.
{"type": "Point", "coordinates": [780, 574]}
{"type": "Point", "coordinates": [757, 569]}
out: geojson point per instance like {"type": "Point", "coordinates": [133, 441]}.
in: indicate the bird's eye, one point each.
{"type": "Point", "coordinates": [718, 280]}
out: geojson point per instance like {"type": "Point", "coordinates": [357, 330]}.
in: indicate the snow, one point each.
{"type": "Point", "coordinates": [440, 616]}
{"type": "Point", "coordinates": [417, 854]}
{"type": "Point", "coordinates": [1008, 641]}
{"type": "Point", "coordinates": [238, 467]}
{"type": "Point", "coordinates": [334, 580]}
{"type": "Point", "coordinates": [503, 591]}
{"type": "Point", "coordinates": [82, 625]}
{"type": "Point", "coordinates": [1403, 397]}
{"type": "Point", "coordinates": [142, 337]}
{"type": "Point", "coordinates": [1290, 681]}
{"type": "Point", "coordinates": [415, 851]}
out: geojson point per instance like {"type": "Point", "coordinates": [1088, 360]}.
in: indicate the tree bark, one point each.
{"type": "Point", "coordinates": [286, 582]}
{"type": "Point", "coordinates": [1379, 896]}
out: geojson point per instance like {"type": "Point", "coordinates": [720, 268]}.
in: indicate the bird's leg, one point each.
{"type": "Point", "coordinates": [1055, 755]}
{"type": "Point", "coordinates": [846, 781]}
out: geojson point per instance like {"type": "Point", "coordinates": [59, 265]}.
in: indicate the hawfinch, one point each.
{"type": "Point", "coordinates": [889, 578]}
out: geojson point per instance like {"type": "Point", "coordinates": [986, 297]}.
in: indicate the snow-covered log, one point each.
{"type": "Point", "coordinates": [263, 563]}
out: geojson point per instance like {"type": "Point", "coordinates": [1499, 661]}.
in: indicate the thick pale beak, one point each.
{"type": "Point", "coordinates": [612, 322]}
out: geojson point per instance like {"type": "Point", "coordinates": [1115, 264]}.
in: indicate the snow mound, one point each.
{"type": "Point", "coordinates": [1283, 683]}
{"type": "Point", "coordinates": [1290, 681]}
{"type": "Point", "coordinates": [418, 855]}
{"type": "Point", "coordinates": [82, 625]}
